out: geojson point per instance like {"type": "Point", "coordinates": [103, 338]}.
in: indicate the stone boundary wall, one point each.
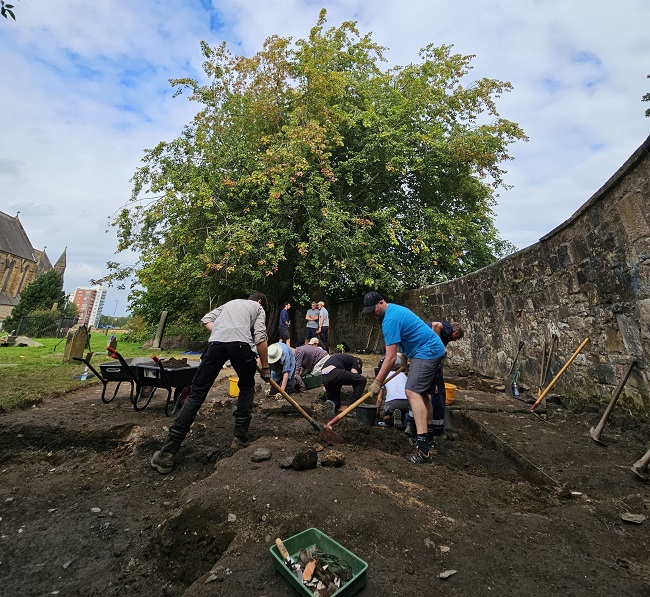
{"type": "Point", "coordinates": [590, 277]}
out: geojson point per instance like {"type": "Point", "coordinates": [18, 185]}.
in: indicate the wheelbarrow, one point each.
{"type": "Point", "coordinates": [175, 380]}
{"type": "Point", "coordinates": [122, 371]}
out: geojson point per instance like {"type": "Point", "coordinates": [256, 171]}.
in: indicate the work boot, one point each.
{"type": "Point", "coordinates": [241, 432]}
{"type": "Point", "coordinates": [397, 419]}
{"type": "Point", "coordinates": [419, 457]}
{"type": "Point", "coordinates": [163, 459]}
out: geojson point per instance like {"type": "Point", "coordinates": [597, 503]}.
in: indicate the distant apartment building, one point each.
{"type": "Point", "coordinates": [89, 302]}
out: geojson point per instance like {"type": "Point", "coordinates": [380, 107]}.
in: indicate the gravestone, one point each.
{"type": "Point", "coordinates": [112, 342]}
{"type": "Point", "coordinates": [76, 341]}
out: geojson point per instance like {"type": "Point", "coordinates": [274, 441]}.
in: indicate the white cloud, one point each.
{"type": "Point", "coordinates": [85, 91]}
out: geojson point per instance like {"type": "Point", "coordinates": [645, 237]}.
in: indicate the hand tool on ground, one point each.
{"type": "Point", "coordinates": [328, 433]}
{"type": "Point", "coordinates": [554, 380]}
{"type": "Point", "coordinates": [541, 367]}
{"type": "Point", "coordinates": [640, 467]}
{"type": "Point", "coordinates": [374, 349]}
{"type": "Point", "coordinates": [366, 350]}
{"type": "Point", "coordinates": [546, 366]}
{"type": "Point", "coordinates": [508, 380]}
{"type": "Point", "coordinates": [596, 431]}
{"type": "Point", "coordinates": [293, 403]}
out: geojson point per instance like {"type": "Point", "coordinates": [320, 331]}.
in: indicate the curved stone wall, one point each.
{"type": "Point", "coordinates": [590, 277]}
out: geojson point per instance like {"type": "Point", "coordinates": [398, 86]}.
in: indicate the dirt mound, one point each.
{"type": "Point", "coordinates": [517, 503]}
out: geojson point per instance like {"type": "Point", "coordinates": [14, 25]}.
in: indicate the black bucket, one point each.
{"type": "Point", "coordinates": [366, 413]}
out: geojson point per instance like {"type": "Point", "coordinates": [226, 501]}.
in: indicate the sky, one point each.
{"type": "Point", "coordinates": [85, 90]}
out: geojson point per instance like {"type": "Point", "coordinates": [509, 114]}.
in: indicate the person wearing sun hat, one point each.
{"type": "Point", "coordinates": [419, 343]}
{"type": "Point", "coordinates": [282, 362]}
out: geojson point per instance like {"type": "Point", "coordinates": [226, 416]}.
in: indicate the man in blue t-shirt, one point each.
{"type": "Point", "coordinates": [403, 330]}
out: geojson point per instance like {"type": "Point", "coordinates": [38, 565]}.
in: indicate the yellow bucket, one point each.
{"type": "Point", "coordinates": [234, 386]}
{"type": "Point", "coordinates": [450, 391]}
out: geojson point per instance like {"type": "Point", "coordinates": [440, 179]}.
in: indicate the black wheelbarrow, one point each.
{"type": "Point", "coordinates": [160, 374]}
{"type": "Point", "coordinates": [124, 370]}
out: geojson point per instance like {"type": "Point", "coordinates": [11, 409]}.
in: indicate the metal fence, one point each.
{"type": "Point", "coordinates": [45, 326]}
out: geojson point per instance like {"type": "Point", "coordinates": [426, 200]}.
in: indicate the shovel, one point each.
{"type": "Point", "coordinates": [508, 380]}
{"type": "Point", "coordinates": [328, 433]}
{"type": "Point", "coordinates": [549, 386]}
{"type": "Point", "coordinates": [293, 403]}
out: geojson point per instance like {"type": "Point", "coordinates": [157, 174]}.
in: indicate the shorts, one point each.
{"type": "Point", "coordinates": [311, 333]}
{"type": "Point", "coordinates": [423, 375]}
{"type": "Point", "coordinates": [284, 333]}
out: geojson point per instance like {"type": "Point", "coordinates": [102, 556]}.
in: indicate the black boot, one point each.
{"type": "Point", "coordinates": [163, 459]}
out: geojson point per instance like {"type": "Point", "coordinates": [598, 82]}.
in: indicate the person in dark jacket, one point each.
{"type": "Point", "coordinates": [340, 370]}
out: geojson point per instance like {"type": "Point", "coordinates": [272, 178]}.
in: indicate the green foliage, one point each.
{"type": "Point", "coordinates": [310, 171]}
{"type": "Point", "coordinates": [116, 322]}
{"type": "Point", "coordinates": [6, 10]}
{"type": "Point", "coordinates": [139, 330]}
{"type": "Point", "coordinates": [646, 98]}
{"type": "Point", "coordinates": [40, 295]}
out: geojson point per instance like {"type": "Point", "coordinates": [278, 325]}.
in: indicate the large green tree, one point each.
{"type": "Point", "coordinates": [310, 171]}
{"type": "Point", "coordinates": [40, 295]}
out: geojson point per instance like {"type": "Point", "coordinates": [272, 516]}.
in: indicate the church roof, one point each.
{"type": "Point", "coordinates": [13, 239]}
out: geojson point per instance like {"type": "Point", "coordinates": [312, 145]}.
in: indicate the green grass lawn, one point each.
{"type": "Point", "coordinates": [29, 374]}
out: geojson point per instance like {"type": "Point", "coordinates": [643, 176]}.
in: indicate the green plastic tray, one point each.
{"type": "Point", "coordinates": [314, 536]}
{"type": "Point", "coordinates": [312, 380]}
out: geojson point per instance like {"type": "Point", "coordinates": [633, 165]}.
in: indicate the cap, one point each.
{"type": "Point", "coordinates": [370, 300]}
{"type": "Point", "coordinates": [314, 341]}
{"type": "Point", "coordinates": [321, 303]}
{"type": "Point", "coordinates": [275, 352]}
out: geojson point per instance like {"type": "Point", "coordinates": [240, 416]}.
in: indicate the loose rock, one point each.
{"type": "Point", "coordinates": [261, 454]}
{"type": "Point", "coordinates": [305, 460]}
{"type": "Point", "coordinates": [633, 518]}
{"type": "Point", "coordinates": [333, 458]}
{"type": "Point", "coordinates": [447, 573]}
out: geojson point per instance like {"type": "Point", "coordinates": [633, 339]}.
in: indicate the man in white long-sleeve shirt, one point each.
{"type": "Point", "coordinates": [237, 329]}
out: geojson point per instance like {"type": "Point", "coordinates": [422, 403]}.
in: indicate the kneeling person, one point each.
{"type": "Point", "coordinates": [340, 370]}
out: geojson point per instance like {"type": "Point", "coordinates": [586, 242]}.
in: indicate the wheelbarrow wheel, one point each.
{"type": "Point", "coordinates": [143, 397]}
{"type": "Point", "coordinates": [176, 403]}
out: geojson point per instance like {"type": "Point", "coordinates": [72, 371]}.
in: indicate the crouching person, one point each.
{"type": "Point", "coordinates": [236, 329]}
{"type": "Point", "coordinates": [283, 367]}
{"type": "Point", "coordinates": [340, 370]}
{"type": "Point", "coordinates": [393, 395]}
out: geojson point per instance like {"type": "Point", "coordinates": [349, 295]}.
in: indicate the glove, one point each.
{"type": "Point", "coordinates": [375, 388]}
{"type": "Point", "coordinates": [266, 374]}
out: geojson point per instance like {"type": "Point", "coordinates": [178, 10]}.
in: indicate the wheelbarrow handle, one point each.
{"type": "Point", "coordinates": [367, 395]}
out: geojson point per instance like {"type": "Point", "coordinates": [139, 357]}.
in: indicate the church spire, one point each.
{"type": "Point", "coordinates": [60, 264]}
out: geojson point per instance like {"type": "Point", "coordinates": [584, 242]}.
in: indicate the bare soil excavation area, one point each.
{"type": "Point", "coordinates": [518, 504]}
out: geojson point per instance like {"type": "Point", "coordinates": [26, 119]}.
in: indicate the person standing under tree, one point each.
{"type": "Point", "coordinates": [237, 329]}
{"type": "Point", "coordinates": [283, 325]}
{"type": "Point", "coordinates": [401, 327]}
{"type": "Point", "coordinates": [311, 331]}
{"type": "Point", "coordinates": [323, 326]}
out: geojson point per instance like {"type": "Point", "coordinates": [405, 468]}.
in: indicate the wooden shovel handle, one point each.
{"type": "Point", "coordinates": [352, 406]}
{"type": "Point", "coordinates": [291, 401]}
{"type": "Point", "coordinates": [549, 386]}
